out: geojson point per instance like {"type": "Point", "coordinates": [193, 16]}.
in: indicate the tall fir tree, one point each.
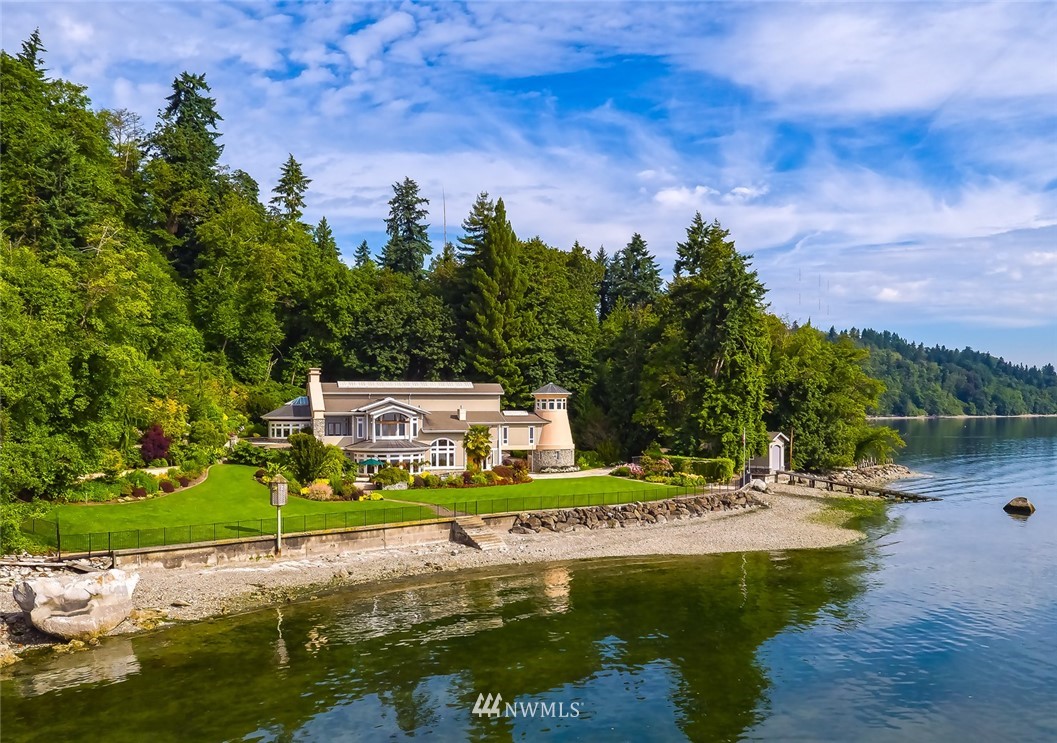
{"type": "Point", "coordinates": [634, 275]}
{"type": "Point", "coordinates": [408, 233]}
{"type": "Point", "coordinates": [325, 242]}
{"type": "Point", "coordinates": [475, 227]}
{"type": "Point", "coordinates": [494, 341]}
{"type": "Point", "coordinates": [704, 383]}
{"type": "Point", "coordinates": [602, 288]}
{"type": "Point", "coordinates": [289, 199]}
{"type": "Point", "coordinates": [32, 49]}
{"type": "Point", "coordinates": [363, 255]}
{"type": "Point", "coordinates": [183, 177]}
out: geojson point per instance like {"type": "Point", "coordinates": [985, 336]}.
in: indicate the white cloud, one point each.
{"type": "Point", "coordinates": [364, 95]}
{"type": "Point", "coordinates": [365, 45]}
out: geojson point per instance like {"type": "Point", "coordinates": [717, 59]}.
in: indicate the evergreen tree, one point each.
{"type": "Point", "coordinates": [602, 287]}
{"type": "Point", "coordinates": [408, 243]}
{"type": "Point", "coordinates": [634, 275]}
{"type": "Point", "coordinates": [704, 383]}
{"type": "Point", "coordinates": [325, 242]}
{"type": "Point", "coordinates": [497, 288]}
{"type": "Point", "coordinates": [363, 255]}
{"type": "Point", "coordinates": [691, 254]}
{"type": "Point", "coordinates": [32, 49]}
{"type": "Point", "coordinates": [475, 227]}
{"type": "Point", "coordinates": [183, 178]}
{"type": "Point", "coordinates": [289, 199]}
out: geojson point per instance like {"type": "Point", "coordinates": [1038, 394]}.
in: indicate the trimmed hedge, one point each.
{"type": "Point", "coordinates": [720, 469]}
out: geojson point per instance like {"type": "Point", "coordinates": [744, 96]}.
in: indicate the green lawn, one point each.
{"type": "Point", "coordinates": [229, 503]}
{"type": "Point", "coordinates": [549, 493]}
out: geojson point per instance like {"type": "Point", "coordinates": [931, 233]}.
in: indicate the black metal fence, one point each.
{"type": "Point", "coordinates": [49, 532]}
{"type": "Point", "coordinates": [572, 500]}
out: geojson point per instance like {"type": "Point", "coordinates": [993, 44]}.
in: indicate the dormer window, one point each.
{"type": "Point", "coordinates": [391, 426]}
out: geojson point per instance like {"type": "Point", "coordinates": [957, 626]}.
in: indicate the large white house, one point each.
{"type": "Point", "coordinates": [423, 423]}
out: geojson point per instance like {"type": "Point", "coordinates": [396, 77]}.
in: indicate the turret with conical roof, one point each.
{"type": "Point", "coordinates": [555, 449]}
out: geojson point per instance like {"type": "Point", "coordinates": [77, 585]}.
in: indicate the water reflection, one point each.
{"type": "Point", "coordinates": [114, 661]}
{"type": "Point", "coordinates": [674, 639]}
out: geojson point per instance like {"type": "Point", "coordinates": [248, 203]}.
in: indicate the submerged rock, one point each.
{"type": "Point", "coordinates": [78, 607]}
{"type": "Point", "coordinates": [1019, 505]}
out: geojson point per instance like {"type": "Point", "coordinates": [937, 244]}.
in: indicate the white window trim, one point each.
{"type": "Point", "coordinates": [359, 426]}
{"type": "Point", "coordinates": [506, 434]}
{"type": "Point", "coordinates": [445, 448]}
{"type": "Point", "coordinates": [532, 434]}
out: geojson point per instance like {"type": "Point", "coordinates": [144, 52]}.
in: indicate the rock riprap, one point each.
{"type": "Point", "coordinates": [632, 514]}
{"type": "Point", "coordinates": [1021, 506]}
{"type": "Point", "coordinates": [78, 607]}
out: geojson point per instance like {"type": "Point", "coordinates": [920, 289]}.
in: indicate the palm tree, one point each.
{"type": "Point", "coordinates": [478, 444]}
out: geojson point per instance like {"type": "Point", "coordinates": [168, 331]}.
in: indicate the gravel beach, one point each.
{"type": "Point", "coordinates": [786, 522]}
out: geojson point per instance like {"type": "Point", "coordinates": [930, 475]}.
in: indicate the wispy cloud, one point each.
{"type": "Point", "coordinates": [901, 153]}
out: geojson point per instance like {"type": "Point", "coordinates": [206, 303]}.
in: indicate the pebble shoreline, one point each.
{"type": "Point", "coordinates": [784, 522]}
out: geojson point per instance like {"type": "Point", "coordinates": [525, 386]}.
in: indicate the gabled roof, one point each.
{"type": "Point", "coordinates": [388, 402]}
{"type": "Point", "coordinates": [551, 389]}
{"type": "Point", "coordinates": [772, 435]}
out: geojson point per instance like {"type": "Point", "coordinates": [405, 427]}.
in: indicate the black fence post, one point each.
{"type": "Point", "coordinates": [58, 539]}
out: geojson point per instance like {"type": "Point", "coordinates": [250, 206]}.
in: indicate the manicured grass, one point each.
{"type": "Point", "coordinates": [550, 493]}
{"type": "Point", "coordinates": [229, 503]}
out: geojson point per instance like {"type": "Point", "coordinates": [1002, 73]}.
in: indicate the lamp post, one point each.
{"type": "Point", "coordinates": [278, 487]}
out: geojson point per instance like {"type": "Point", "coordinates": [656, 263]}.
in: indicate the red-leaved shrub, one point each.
{"type": "Point", "coordinates": [166, 486]}
{"type": "Point", "coordinates": [154, 444]}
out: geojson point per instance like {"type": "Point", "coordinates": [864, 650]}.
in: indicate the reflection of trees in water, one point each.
{"type": "Point", "coordinates": [945, 438]}
{"type": "Point", "coordinates": [523, 635]}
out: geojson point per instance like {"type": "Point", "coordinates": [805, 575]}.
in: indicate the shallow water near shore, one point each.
{"type": "Point", "coordinates": [941, 625]}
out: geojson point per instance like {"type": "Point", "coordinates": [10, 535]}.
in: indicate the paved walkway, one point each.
{"type": "Point", "coordinates": [564, 475]}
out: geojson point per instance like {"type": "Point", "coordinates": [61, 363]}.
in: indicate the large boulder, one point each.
{"type": "Point", "coordinates": [759, 486]}
{"type": "Point", "coordinates": [78, 607]}
{"type": "Point", "coordinates": [1019, 505]}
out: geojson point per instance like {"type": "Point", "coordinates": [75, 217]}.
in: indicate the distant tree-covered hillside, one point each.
{"type": "Point", "coordinates": [946, 381]}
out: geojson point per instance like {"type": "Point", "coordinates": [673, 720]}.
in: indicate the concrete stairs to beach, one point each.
{"type": "Point", "coordinates": [474, 532]}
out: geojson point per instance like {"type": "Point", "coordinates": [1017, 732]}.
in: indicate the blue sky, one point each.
{"type": "Point", "coordinates": [888, 165]}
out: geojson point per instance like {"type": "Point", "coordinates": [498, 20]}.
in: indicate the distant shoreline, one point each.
{"type": "Point", "coordinates": [953, 417]}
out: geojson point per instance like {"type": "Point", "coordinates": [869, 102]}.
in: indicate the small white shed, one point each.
{"type": "Point", "coordinates": [775, 458]}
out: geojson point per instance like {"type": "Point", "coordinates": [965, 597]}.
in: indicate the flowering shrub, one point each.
{"type": "Point", "coordinates": [320, 491]}
{"type": "Point", "coordinates": [655, 466]}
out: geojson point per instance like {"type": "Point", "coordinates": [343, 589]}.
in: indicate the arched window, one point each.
{"type": "Point", "coordinates": [442, 453]}
{"type": "Point", "coordinates": [391, 426]}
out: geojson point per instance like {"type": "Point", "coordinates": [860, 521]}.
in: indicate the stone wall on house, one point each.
{"type": "Point", "coordinates": [553, 460]}
{"type": "Point", "coordinates": [319, 427]}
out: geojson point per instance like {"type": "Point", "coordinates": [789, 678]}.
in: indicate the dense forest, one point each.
{"type": "Point", "coordinates": [945, 381]}
{"type": "Point", "coordinates": [146, 288]}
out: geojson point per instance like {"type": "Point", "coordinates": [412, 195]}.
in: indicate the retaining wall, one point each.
{"type": "Point", "coordinates": [313, 544]}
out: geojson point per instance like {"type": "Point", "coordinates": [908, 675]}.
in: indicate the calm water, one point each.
{"type": "Point", "coordinates": [943, 626]}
